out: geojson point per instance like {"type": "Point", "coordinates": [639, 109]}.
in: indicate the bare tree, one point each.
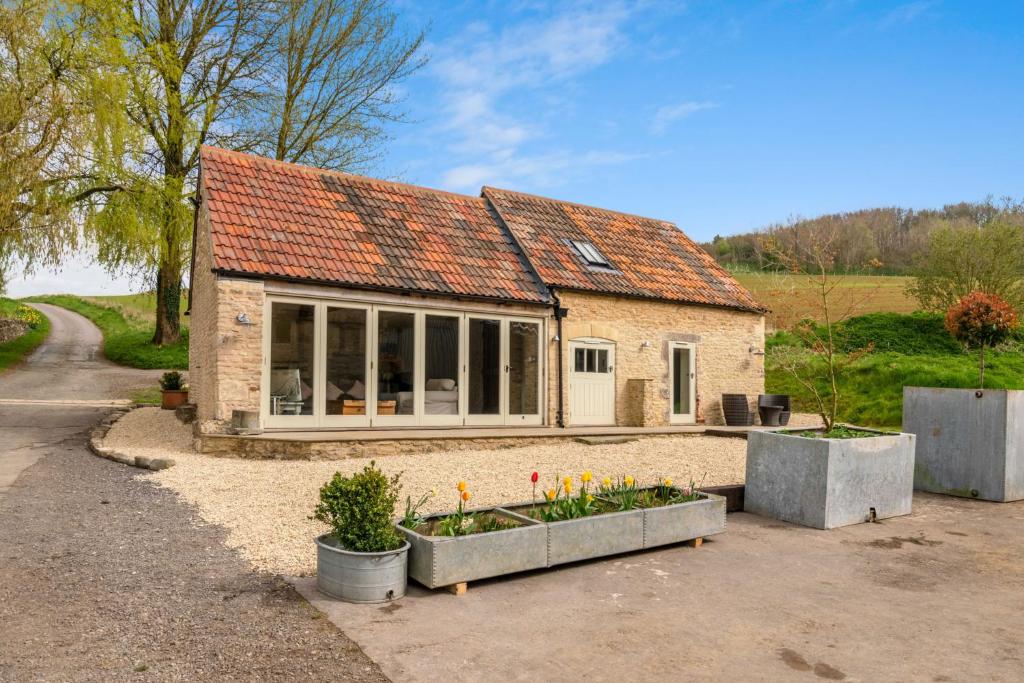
{"type": "Point", "coordinates": [335, 64]}
{"type": "Point", "coordinates": [818, 366]}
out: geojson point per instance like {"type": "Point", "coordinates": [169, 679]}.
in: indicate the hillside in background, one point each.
{"type": "Point", "coordinates": [885, 240]}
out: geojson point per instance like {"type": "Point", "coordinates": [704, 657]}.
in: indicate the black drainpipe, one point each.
{"type": "Point", "coordinates": [559, 314]}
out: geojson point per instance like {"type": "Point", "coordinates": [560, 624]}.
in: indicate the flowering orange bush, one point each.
{"type": "Point", "coordinates": [981, 320]}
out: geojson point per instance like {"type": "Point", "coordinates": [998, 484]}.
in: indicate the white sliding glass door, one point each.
{"type": "Point", "coordinates": [523, 371]}
{"type": "Point", "coordinates": [339, 364]}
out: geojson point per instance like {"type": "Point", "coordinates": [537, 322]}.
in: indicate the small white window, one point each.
{"type": "Point", "coordinates": [590, 254]}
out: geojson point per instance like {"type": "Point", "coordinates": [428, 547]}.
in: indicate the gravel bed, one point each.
{"type": "Point", "coordinates": [265, 504]}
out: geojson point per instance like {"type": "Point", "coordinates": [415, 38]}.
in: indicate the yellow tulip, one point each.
{"type": "Point", "coordinates": [567, 485]}
{"type": "Point", "coordinates": [668, 482]}
{"type": "Point", "coordinates": [606, 482]}
{"type": "Point", "coordinates": [567, 481]}
{"type": "Point", "coordinates": [550, 495]}
{"type": "Point", "coordinates": [461, 486]}
{"type": "Point", "coordinates": [629, 481]}
{"type": "Point", "coordinates": [585, 477]}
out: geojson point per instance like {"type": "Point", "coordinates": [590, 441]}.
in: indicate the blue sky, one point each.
{"type": "Point", "coordinates": [719, 116]}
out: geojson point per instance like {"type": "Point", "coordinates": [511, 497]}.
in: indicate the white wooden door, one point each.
{"type": "Point", "coordinates": [591, 383]}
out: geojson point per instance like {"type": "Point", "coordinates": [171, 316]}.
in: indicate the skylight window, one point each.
{"type": "Point", "coordinates": [590, 254]}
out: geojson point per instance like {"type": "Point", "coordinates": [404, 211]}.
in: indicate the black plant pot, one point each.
{"type": "Point", "coordinates": [736, 410]}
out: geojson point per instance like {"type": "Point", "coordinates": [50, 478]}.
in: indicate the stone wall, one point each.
{"type": "Point", "coordinates": [727, 342]}
{"type": "Point", "coordinates": [225, 355]}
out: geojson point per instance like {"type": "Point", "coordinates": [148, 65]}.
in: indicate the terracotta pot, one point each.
{"type": "Point", "coordinates": [172, 398]}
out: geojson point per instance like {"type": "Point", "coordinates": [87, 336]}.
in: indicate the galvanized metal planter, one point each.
{"type": "Point", "coordinates": [609, 533]}
{"type": "Point", "coordinates": [436, 561]}
{"type": "Point", "coordinates": [827, 483]}
{"type": "Point", "coordinates": [970, 443]}
{"type": "Point", "coordinates": [680, 522]}
{"type": "Point", "coordinates": [360, 577]}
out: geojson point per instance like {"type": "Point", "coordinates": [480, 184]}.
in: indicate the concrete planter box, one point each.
{"type": "Point", "coordinates": [828, 483]}
{"type": "Point", "coordinates": [609, 533]}
{"type": "Point", "coordinates": [436, 561]}
{"type": "Point", "coordinates": [360, 577]}
{"type": "Point", "coordinates": [970, 442]}
{"type": "Point", "coordinates": [684, 521]}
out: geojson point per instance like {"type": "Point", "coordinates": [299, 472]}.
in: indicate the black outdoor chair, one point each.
{"type": "Point", "coordinates": [774, 409]}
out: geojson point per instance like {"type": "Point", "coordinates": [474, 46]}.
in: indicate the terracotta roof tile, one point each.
{"type": "Point", "coordinates": [648, 257]}
{"type": "Point", "coordinates": [270, 218]}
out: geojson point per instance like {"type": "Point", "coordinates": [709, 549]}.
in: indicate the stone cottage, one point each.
{"type": "Point", "coordinates": [330, 301]}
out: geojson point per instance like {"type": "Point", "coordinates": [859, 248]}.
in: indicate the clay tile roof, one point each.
{"type": "Point", "coordinates": [648, 257]}
{"type": "Point", "coordinates": [269, 218]}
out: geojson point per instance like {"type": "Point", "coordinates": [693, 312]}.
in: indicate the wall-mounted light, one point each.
{"type": "Point", "coordinates": [243, 319]}
{"type": "Point", "coordinates": [556, 338]}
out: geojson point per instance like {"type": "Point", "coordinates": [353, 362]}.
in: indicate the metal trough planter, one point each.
{"type": "Point", "coordinates": [970, 442]}
{"type": "Point", "coordinates": [608, 533]}
{"type": "Point", "coordinates": [828, 483]}
{"type": "Point", "coordinates": [678, 522]}
{"type": "Point", "coordinates": [437, 561]}
{"type": "Point", "coordinates": [359, 577]}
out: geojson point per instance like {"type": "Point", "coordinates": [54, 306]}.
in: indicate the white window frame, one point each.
{"type": "Point", "coordinates": [320, 420]}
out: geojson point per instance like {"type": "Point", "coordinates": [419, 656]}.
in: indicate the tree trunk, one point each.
{"type": "Point", "coordinates": [168, 304]}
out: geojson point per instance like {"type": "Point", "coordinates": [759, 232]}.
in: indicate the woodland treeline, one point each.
{"type": "Point", "coordinates": [889, 240]}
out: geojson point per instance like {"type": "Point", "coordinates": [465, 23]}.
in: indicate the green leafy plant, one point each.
{"type": "Point", "coordinates": [412, 519]}
{"type": "Point", "coordinates": [624, 492]}
{"type": "Point", "coordinates": [981, 320]}
{"type": "Point", "coordinates": [561, 504]}
{"type": "Point", "coordinates": [172, 381]}
{"type": "Point", "coordinates": [359, 510]}
{"type": "Point", "coordinates": [29, 316]}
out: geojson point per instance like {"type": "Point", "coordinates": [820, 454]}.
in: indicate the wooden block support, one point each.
{"type": "Point", "coordinates": [695, 542]}
{"type": "Point", "coordinates": [457, 588]}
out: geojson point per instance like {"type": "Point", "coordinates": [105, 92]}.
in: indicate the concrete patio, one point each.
{"type": "Point", "coordinates": [934, 596]}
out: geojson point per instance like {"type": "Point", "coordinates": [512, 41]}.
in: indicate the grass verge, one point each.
{"type": "Point", "coordinates": [13, 351]}
{"type": "Point", "coordinates": [126, 342]}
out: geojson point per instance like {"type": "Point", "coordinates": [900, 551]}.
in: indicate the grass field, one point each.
{"type": "Point", "coordinates": [13, 351]}
{"type": "Point", "coordinates": [790, 298]}
{"type": "Point", "coordinates": [138, 308]}
{"type": "Point", "coordinates": [127, 331]}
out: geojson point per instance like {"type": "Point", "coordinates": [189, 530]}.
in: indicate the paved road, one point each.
{"type": "Point", "coordinates": [106, 577]}
{"type": "Point", "coordinates": [70, 365]}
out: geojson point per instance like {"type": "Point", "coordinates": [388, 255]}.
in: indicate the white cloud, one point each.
{"type": "Point", "coordinates": [669, 114]}
{"type": "Point", "coordinates": [492, 82]}
{"type": "Point", "coordinates": [905, 13]}
{"type": "Point", "coordinates": [530, 172]}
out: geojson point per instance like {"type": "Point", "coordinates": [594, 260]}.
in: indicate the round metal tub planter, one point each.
{"type": "Point", "coordinates": [360, 577]}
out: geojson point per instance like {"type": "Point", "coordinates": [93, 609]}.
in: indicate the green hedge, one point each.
{"type": "Point", "coordinates": [13, 351]}
{"type": "Point", "coordinates": [123, 342]}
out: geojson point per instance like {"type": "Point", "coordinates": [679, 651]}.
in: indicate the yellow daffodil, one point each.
{"type": "Point", "coordinates": [585, 477]}
{"type": "Point", "coordinates": [465, 495]}
{"type": "Point", "coordinates": [606, 482]}
{"type": "Point", "coordinates": [668, 482]}
{"type": "Point", "coordinates": [461, 486]}
{"type": "Point", "coordinates": [550, 494]}
{"type": "Point", "coordinates": [567, 481]}
{"type": "Point", "coordinates": [590, 498]}
{"type": "Point", "coordinates": [628, 480]}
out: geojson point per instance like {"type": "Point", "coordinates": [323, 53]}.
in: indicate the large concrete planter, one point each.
{"type": "Point", "coordinates": [828, 483]}
{"type": "Point", "coordinates": [436, 561]}
{"type": "Point", "coordinates": [609, 533]}
{"type": "Point", "coordinates": [360, 577]}
{"type": "Point", "coordinates": [970, 443]}
{"type": "Point", "coordinates": [684, 521]}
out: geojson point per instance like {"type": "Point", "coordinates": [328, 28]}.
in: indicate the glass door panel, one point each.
{"type": "Point", "coordinates": [292, 360]}
{"type": "Point", "coordinates": [441, 362]}
{"type": "Point", "coordinates": [484, 371]}
{"type": "Point", "coordinates": [396, 367]}
{"type": "Point", "coordinates": [345, 366]}
{"type": "Point", "coordinates": [682, 383]}
{"type": "Point", "coordinates": [523, 372]}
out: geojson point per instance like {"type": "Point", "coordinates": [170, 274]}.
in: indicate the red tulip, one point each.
{"type": "Point", "coordinates": [534, 477]}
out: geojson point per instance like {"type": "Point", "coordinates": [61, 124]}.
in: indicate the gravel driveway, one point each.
{"type": "Point", "coordinates": [265, 504]}
{"type": "Point", "coordinates": [106, 577]}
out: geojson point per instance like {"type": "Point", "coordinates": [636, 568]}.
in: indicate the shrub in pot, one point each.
{"type": "Point", "coordinates": [362, 558]}
{"type": "Point", "coordinates": [173, 392]}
